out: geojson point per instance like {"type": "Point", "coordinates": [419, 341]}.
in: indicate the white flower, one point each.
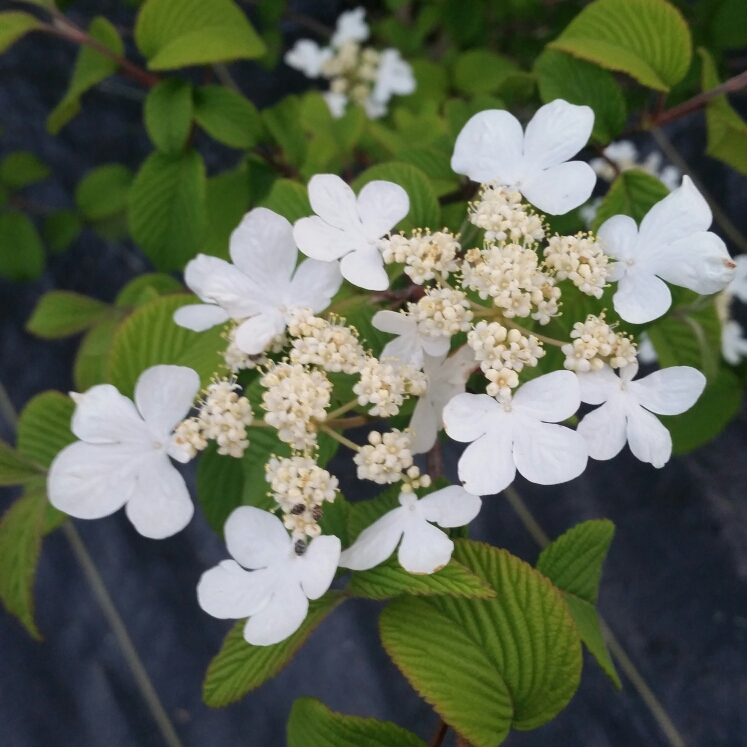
{"type": "Point", "coordinates": [672, 244]}
{"type": "Point", "coordinates": [308, 57]}
{"type": "Point", "coordinates": [385, 457]}
{"type": "Point", "coordinates": [349, 228]}
{"type": "Point", "coordinates": [447, 377]}
{"type": "Point", "coordinates": [646, 350]}
{"type": "Point", "coordinates": [424, 548]}
{"type": "Point", "coordinates": [122, 458]}
{"type": "Point", "coordinates": [410, 344]}
{"type": "Point", "coordinates": [351, 26]}
{"type": "Point", "coordinates": [492, 148]}
{"type": "Point", "coordinates": [738, 286]}
{"type": "Point", "coordinates": [733, 343]}
{"type": "Point", "coordinates": [519, 433]}
{"type": "Point", "coordinates": [393, 77]}
{"type": "Point", "coordinates": [626, 410]}
{"type": "Point", "coordinates": [337, 103]}
{"type": "Point", "coordinates": [262, 285]}
{"type": "Point", "coordinates": [275, 594]}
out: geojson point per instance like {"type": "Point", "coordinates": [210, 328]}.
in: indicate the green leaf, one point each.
{"type": "Point", "coordinates": [15, 468]}
{"type": "Point", "coordinates": [240, 667]}
{"type": "Point", "coordinates": [283, 122]}
{"type": "Point", "coordinates": [573, 562]}
{"type": "Point", "coordinates": [289, 199]}
{"type": "Point", "coordinates": [561, 76]}
{"type": "Point", "coordinates": [632, 193]}
{"type": "Point", "coordinates": [364, 513]}
{"type": "Point", "coordinates": [22, 168]}
{"type": "Point", "coordinates": [435, 164]}
{"type": "Point", "coordinates": [167, 208]}
{"type": "Point", "coordinates": [146, 287]}
{"type": "Point", "coordinates": [21, 250]}
{"type": "Point", "coordinates": [150, 337]}
{"type": "Point", "coordinates": [220, 485]}
{"type": "Point", "coordinates": [13, 25]}
{"type": "Point", "coordinates": [61, 229]}
{"type": "Point", "coordinates": [488, 665]}
{"type": "Point", "coordinates": [481, 71]}
{"type": "Point", "coordinates": [719, 404]}
{"type": "Point", "coordinates": [227, 116]}
{"type": "Point", "coordinates": [728, 26]}
{"type": "Point", "coordinates": [424, 208]}
{"type": "Point", "coordinates": [727, 131]}
{"type": "Point", "coordinates": [263, 443]}
{"type": "Point", "coordinates": [432, 82]}
{"type": "Point", "coordinates": [21, 531]}
{"type": "Point", "coordinates": [228, 198]}
{"type": "Point", "coordinates": [63, 313]}
{"type": "Point", "coordinates": [647, 39]}
{"type": "Point", "coordinates": [178, 33]}
{"type": "Point", "coordinates": [312, 724]}
{"type": "Point", "coordinates": [102, 193]}
{"type": "Point", "coordinates": [320, 129]}
{"type": "Point", "coordinates": [91, 67]}
{"type": "Point", "coordinates": [90, 360]}
{"type": "Point", "coordinates": [44, 427]}
{"type": "Point", "coordinates": [168, 115]}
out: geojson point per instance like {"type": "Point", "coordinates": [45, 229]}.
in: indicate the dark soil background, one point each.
{"type": "Point", "coordinates": [675, 583]}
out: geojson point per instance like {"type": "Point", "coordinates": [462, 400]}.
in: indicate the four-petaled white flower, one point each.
{"type": "Point", "coordinates": [492, 148]}
{"type": "Point", "coordinates": [672, 244]}
{"type": "Point", "coordinates": [738, 285]}
{"type": "Point", "coordinates": [349, 228]}
{"type": "Point", "coordinates": [308, 57]}
{"type": "Point", "coordinates": [275, 594]}
{"type": "Point", "coordinates": [519, 433]}
{"type": "Point", "coordinates": [447, 377]}
{"type": "Point", "coordinates": [409, 345]}
{"type": "Point", "coordinates": [394, 77]}
{"type": "Point", "coordinates": [424, 548]}
{"type": "Point", "coordinates": [261, 287]}
{"type": "Point", "coordinates": [122, 458]}
{"type": "Point", "coordinates": [351, 26]}
{"type": "Point", "coordinates": [627, 407]}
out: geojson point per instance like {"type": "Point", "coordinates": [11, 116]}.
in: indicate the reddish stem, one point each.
{"type": "Point", "coordinates": [440, 734]}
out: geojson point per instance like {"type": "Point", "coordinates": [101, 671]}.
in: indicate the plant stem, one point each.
{"type": "Point", "coordinates": [527, 332]}
{"type": "Point", "coordinates": [346, 423]}
{"type": "Point", "coordinates": [342, 410]}
{"type": "Point", "coordinates": [440, 734]}
{"type": "Point", "coordinates": [339, 437]}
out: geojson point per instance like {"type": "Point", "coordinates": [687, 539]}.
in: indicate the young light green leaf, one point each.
{"type": "Point", "coordinates": [61, 229]}
{"type": "Point", "coordinates": [220, 486]}
{"type": "Point", "coordinates": [21, 250]}
{"type": "Point", "coordinates": [91, 68]}
{"type": "Point", "coordinates": [573, 562]}
{"type": "Point", "coordinates": [561, 76]}
{"type": "Point", "coordinates": [90, 360]}
{"type": "Point", "coordinates": [167, 208]}
{"type": "Point", "coordinates": [312, 724]}
{"type": "Point", "coordinates": [227, 116]}
{"type": "Point", "coordinates": [16, 468]}
{"type": "Point", "coordinates": [168, 115]}
{"type": "Point", "coordinates": [21, 168]}
{"type": "Point", "coordinates": [145, 288]}
{"type": "Point", "coordinates": [13, 25]}
{"type": "Point", "coordinates": [228, 198]}
{"type": "Point", "coordinates": [179, 33]}
{"type": "Point", "coordinates": [488, 665]}
{"type": "Point", "coordinates": [102, 193]}
{"type": "Point", "coordinates": [647, 39]}
{"type": "Point", "coordinates": [289, 199]}
{"type": "Point", "coordinates": [150, 337]}
{"type": "Point", "coordinates": [424, 208]}
{"type": "Point", "coordinates": [481, 71]}
{"type": "Point", "coordinates": [64, 313]}
{"type": "Point", "coordinates": [632, 193]}
{"type": "Point", "coordinates": [44, 427]}
{"type": "Point", "coordinates": [241, 667]}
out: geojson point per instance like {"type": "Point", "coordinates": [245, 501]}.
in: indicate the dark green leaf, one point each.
{"type": "Point", "coordinates": [289, 199]}
{"type": "Point", "coordinates": [102, 193]}
{"type": "Point", "coordinates": [168, 115]}
{"type": "Point", "coordinates": [632, 193]}
{"type": "Point", "coordinates": [228, 197]}
{"type": "Point", "coordinates": [227, 116]}
{"type": "Point", "coordinates": [283, 122]}
{"type": "Point", "coordinates": [481, 71]}
{"type": "Point", "coordinates": [146, 287]}
{"type": "Point", "coordinates": [220, 485]}
{"type": "Point", "coordinates": [21, 250]}
{"type": "Point", "coordinates": [16, 468]}
{"type": "Point", "coordinates": [22, 168]}
{"type": "Point", "coordinates": [61, 229]}
{"type": "Point", "coordinates": [90, 360]}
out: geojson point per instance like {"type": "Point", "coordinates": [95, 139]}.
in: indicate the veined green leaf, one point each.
{"type": "Point", "coordinates": [481, 71]}
{"type": "Point", "coordinates": [227, 116]}
{"type": "Point", "coordinates": [16, 468]}
{"type": "Point", "coordinates": [102, 193]}
{"type": "Point", "coordinates": [220, 485]}
{"type": "Point", "coordinates": [289, 199]}
{"type": "Point", "coordinates": [145, 288]}
{"type": "Point", "coordinates": [283, 122]}
{"type": "Point", "coordinates": [168, 115]}
{"type": "Point", "coordinates": [44, 427]}
{"type": "Point", "coordinates": [63, 313]}
{"type": "Point", "coordinates": [90, 360]}
{"type": "Point", "coordinates": [228, 199]}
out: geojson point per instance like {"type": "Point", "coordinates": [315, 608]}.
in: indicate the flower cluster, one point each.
{"type": "Point", "coordinates": [426, 255]}
{"type": "Point", "coordinates": [579, 259]}
{"type": "Point", "coordinates": [441, 312]}
{"type": "Point", "coordinates": [502, 215]}
{"type": "Point", "coordinates": [333, 345]}
{"type": "Point", "coordinates": [385, 457]}
{"type": "Point", "coordinates": [596, 342]}
{"type": "Point", "coordinates": [386, 385]}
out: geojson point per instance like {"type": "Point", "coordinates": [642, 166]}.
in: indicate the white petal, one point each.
{"type": "Point", "coordinates": [317, 566]}
{"type": "Point", "coordinates": [256, 538]}
{"type": "Point", "coordinates": [394, 76]}
{"type": "Point", "coordinates": [548, 454]}
{"type": "Point", "coordinates": [560, 189]}
{"type": "Point", "coordinates": [604, 429]}
{"type": "Point", "coordinates": [467, 416]}
{"type": "Point", "coordinates": [733, 344]}
{"type": "Point", "coordinates": [641, 297]}
{"type": "Point", "coordinates": [699, 262]}
{"type": "Point", "coordinates": [598, 386]}
{"type": "Point", "coordinates": [365, 268]}
{"type": "Point", "coordinates": [489, 148]}
{"type": "Point", "coordinates": [255, 334]}
{"type": "Point", "coordinates": [314, 283]}
{"type": "Point", "coordinates": [425, 549]}
{"type": "Point", "coordinates": [670, 391]}
{"type": "Point", "coordinates": [334, 201]}
{"type": "Point", "coordinates": [738, 286]}
{"type": "Point", "coordinates": [394, 323]}
{"type": "Point", "coordinates": [381, 205]}
{"type": "Point", "coordinates": [262, 247]}
{"type": "Point", "coordinates": [336, 103]}
{"type": "Point", "coordinates": [648, 439]}
{"type": "Point", "coordinates": [199, 317]}
{"type": "Point", "coordinates": [160, 505]}
{"type": "Point", "coordinates": [487, 466]}
{"type": "Point", "coordinates": [553, 397]}
{"type": "Point", "coordinates": [679, 214]}
{"type": "Point", "coordinates": [279, 619]}
{"type": "Point", "coordinates": [556, 133]}
{"type": "Point", "coordinates": [458, 367]}
{"type": "Point", "coordinates": [375, 543]}
{"type": "Point", "coordinates": [229, 592]}
{"type": "Point", "coordinates": [619, 237]}
{"type": "Point", "coordinates": [89, 481]}
{"type": "Point", "coordinates": [350, 26]}
{"type": "Point", "coordinates": [306, 56]}
{"type": "Point", "coordinates": [104, 416]}
{"type": "Point", "coordinates": [450, 507]}
{"type": "Point", "coordinates": [403, 350]}
{"type": "Point", "coordinates": [425, 425]}
{"type": "Point", "coordinates": [435, 346]}
{"type": "Point", "coordinates": [164, 395]}
{"type": "Point", "coordinates": [317, 239]}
